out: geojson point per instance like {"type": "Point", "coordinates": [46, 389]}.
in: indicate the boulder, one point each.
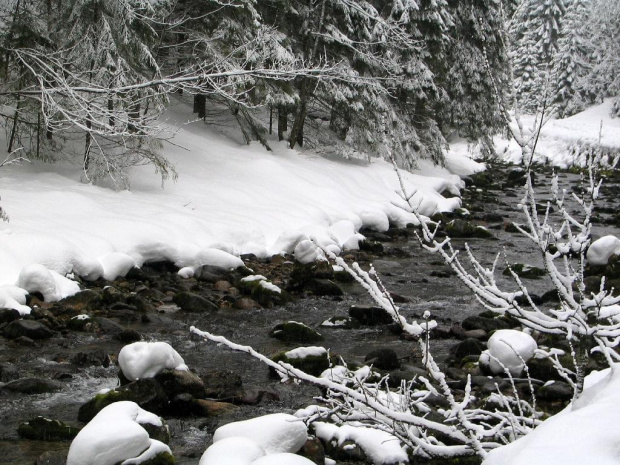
{"type": "Point", "coordinates": [464, 348]}
{"type": "Point", "coordinates": [175, 382]}
{"type": "Point", "coordinates": [194, 303]}
{"type": "Point", "coordinates": [292, 331]}
{"type": "Point", "coordinates": [487, 324]}
{"type": "Point", "coordinates": [29, 328]}
{"type": "Point", "coordinates": [370, 316]}
{"type": "Point", "coordinates": [311, 360]}
{"type": "Point", "coordinates": [45, 429]}
{"type": "Point", "coordinates": [96, 357]}
{"type": "Point", "coordinates": [384, 359]}
{"type": "Point", "coordinates": [341, 322]}
{"type": "Point", "coordinates": [32, 386]}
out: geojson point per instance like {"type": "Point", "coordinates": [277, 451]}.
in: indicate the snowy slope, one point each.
{"type": "Point", "coordinates": [230, 197]}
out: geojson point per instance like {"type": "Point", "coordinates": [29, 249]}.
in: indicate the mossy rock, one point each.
{"type": "Point", "coordinates": [193, 303]}
{"type": "Point", "coordinates": [147, 393]}
{"type": "Point", "coordinates": [292, 331]}
{"type": "Point", "coordinates": [323, 287]}
{"type": "Point", "coordinates": [46, 429]}
{"type": "Point", "coordinates": [343, 277]}
{"type": "Point", "coordinates": [303, 273]}
{"type": "Point", "coordinates": [512, 227]}
{"type": "Point", "coordinates": [482, 179]}
{"type": "Point", "coordinates": [525, 271]}
{"type": "Point", "coordinates": [78, 323]}
{"type": "Point", "coordinates": [268, 297]}
{"type": "Point", "coordinates": [312, 364]}
{"type": "Point", "coordinates": [373, 247]}
{"type": "Point", "coordinates": [465, 229]}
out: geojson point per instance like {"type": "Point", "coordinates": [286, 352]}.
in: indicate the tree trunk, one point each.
{"type": "Point", "coordinates": [297, 132]}
{"type": "Point", "coordinates": [200, 105]}
{"type": "Point", "coordinates": [282, 122]}
{"type": "Point", "coordinates": [15, 123]}
{"type": "Point", "coordinates": [87, 146]}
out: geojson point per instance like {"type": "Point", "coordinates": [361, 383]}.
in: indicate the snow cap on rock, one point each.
{"type": "Point", "coordinates": [509, 348]}
{"type": "Point", "coordinates": [232, 451]}
{"type": "Point", "coordinates": [275, 433]}
{"type": "Point", "coordinates": [603, 249]}
{"type": "Point", "coordinates": [146, 359]}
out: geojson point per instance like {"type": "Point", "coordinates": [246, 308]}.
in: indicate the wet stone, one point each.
{"type": "Point", "coordinates": [32, 386]}
{"type": "Point", "coordinates": [46, 429]}
{"type": "Point", "coordinates": [370, 316]}
{"type": "Point", "coordinates": [384, 359]}
{"type": "Point", "coordinates": [29, 328]}
{"type": "Point", "coordinates": [193, 303]}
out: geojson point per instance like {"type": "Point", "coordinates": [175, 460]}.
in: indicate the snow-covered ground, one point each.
{"type": "Point", "coordinates": [558, 137]}
{"type": "Point", "coordinates": [229, 199]}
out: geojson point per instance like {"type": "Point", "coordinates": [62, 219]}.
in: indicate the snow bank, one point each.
{"type": "Point", "coordinates": [275, 433]}
{"type": "Point", "coordinates": [115, 436]}
{"type": "Point", "coordinates": [379, 446]}
{"type": "Point", "coordinates": [508, 348]}
{"type": "Point", "coordinates": [584, 432]}
{"type": "Point", "coordinates": [147, 359]}
{"type": "Point", "coordinates": [229, 199]}
{"type": "Point", "coordinates": [601, 250]}
{"type": "Point", "coordinates": [53, 286]}
{"type": "Point", "coordinates": [232, 451]}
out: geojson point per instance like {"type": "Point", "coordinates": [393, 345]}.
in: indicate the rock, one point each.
{"type": "Point", "coordinates": [313, 449]}
{"type": "Point", "coordinates": [370, 316]}
{"type": "Point", "coordinates": [97, 357]}
{"type": "Point", "coordinates": [542, 369]}
{"type": "Point", "coordinates": [487, 324]}
{"type": "Point", "coordinates": [224, 385]}
{"type": "Point", "coordinates": [211, 408]}
{"type": "Point", "coordinates": [29, 328]}
{"type": "Point", "coordinates": [8, 372]}
{"type": "Point", "coordinates": [147, 393]}
{"type": "Point", "coordinates": [292, 331]}
{"type": "Point", "coordinates": [245, 303]}
{"type": "Point", "coordinates": [52, 457]}
{"type": "Point", "coordinates": [372, 247]}
{"type": "Point", "coordinates": [536, 299]}
{"type": "Point", "coordinates": [384, 359]}
{"type": "Point", "coordinates": [33, 386]}
{"type": "Point", "coordinates": [82, 301]}
{"type": "Point", "coordinates": [193, 303]}
{"type": "Point", "coordinates": [107, 326]}
{"type": "Point", "coordinates": [176, 382]}
{"type": "Point", "coordinates": [323, 287]}
{"type": "Point", "coordinates": [314, 363]}
{"type": "Point", "coordinates": [111, 295]}
{"type": "Point", "coordinates": [464, 348]}
{"type": "Point", "coordinates": [46, 429]}
{"type": "Point", "coordinates": [127, 336]}
{"type": "Point", "coordinates": [78, 323]}
{"type": "Point", "coordinates": [525, 271]}
{"type": "Point", "coordinates": [221, 286]}
{"type": "Point", "coordinates": [159, 433]}
{"type": "Point", "coordinates": [341, 322]}
{"type": "Point", "coordinates": [480, 334]}
{"type": "Point", "coordinates": [555, 391]}
{"type": "Point", "coordinates": [302, 274]}
{"type": "Point", "coordinates": [464, 228]}
{"type": "Point", "coordinates": [8, 314]}
{"type": "Point", "coordinates": [24, 341]}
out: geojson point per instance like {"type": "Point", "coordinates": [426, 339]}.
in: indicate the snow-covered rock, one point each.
{"type": "Point", "coordinates": [307, 251]}
{"type": "Point", "coordinates": [508, 348]}
{"type": "Point", "coordinates": [275, 433]}
{"type": "Point", "coordinates": [53, 286]}
{"type": "Point", "coordinates": [232, 451]}
{"type": "Point", "coordinates": [115, 436]}
{"type": "Point", "coordinates": [601, 250]}
{"type": "Point", "coordinates": [116, 264]}
{"type": "Point", "coordinates": [147, 359]}
{"type": "Point", "coordinates": [14, 297]}
{"type": "Point", "coordinates": [283, 459]}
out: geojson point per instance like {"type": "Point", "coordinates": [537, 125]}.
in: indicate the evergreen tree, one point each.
{"type": "Point", "coordinates": [572, 60]}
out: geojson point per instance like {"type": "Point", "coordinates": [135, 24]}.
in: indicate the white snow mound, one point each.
{"type": "Point", "coordinates": [53, 286]}
{"type": "Point", "coordinates": [232, 451]}
{"type": "Point", "coordinates": [508, 348]}
{"type": "Point", "coordinates": [116, 264]}
{"type": "Point", "coordinates": [114, 436]}
{"type": "Point", "coordinates": [275, 433]}
{"type": "Point", "coordinates": [146, 359]}
{"type": "Point", "coordinates": [283, 459]}
{"type": "Point", "coordinates": [601, 250]}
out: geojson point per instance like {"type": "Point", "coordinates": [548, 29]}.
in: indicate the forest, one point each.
{"type": "Point", "coordinates": [391, 78]}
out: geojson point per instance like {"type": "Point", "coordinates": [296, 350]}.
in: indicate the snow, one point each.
{"type": "Point", "coordinates": [53, 286]}
{"type": "Point", "coordinates": [303, 352]}
{"type": "Point", "coordinates": [229, 199]}
{"type": "Point", "coordinates": [114, 436]}
{"type": "Point", "coordinates": [147, 359]}
{"type": "Point", "coordinates": [275, 433]}
{"type": "Point", "coordinates": [557, 140]}
{"type": "Point", "coordinates": [380, 447]}
{"type": "Point", "coordinates": [584, 432]}
{"type": "Point", "coordinates": [232, 451]}
{"type": "Point", "coordinates": [601, 250]}
{"type": "Point", "coordinates": [283, 459]}
{"type": "Point", "coordinates": [508, 348]}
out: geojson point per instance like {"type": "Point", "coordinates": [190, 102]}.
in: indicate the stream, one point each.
{"type": "Point", "coordinates": [419, 277]}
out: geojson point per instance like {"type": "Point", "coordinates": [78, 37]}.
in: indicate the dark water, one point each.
{"type": "Point", "coordinates": [405, 269]}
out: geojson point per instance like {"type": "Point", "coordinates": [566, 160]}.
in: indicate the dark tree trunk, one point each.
{"type": "Point", "coordinates": [282, 122]}
{"type": "Point", "coordinates": [200, 105]}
